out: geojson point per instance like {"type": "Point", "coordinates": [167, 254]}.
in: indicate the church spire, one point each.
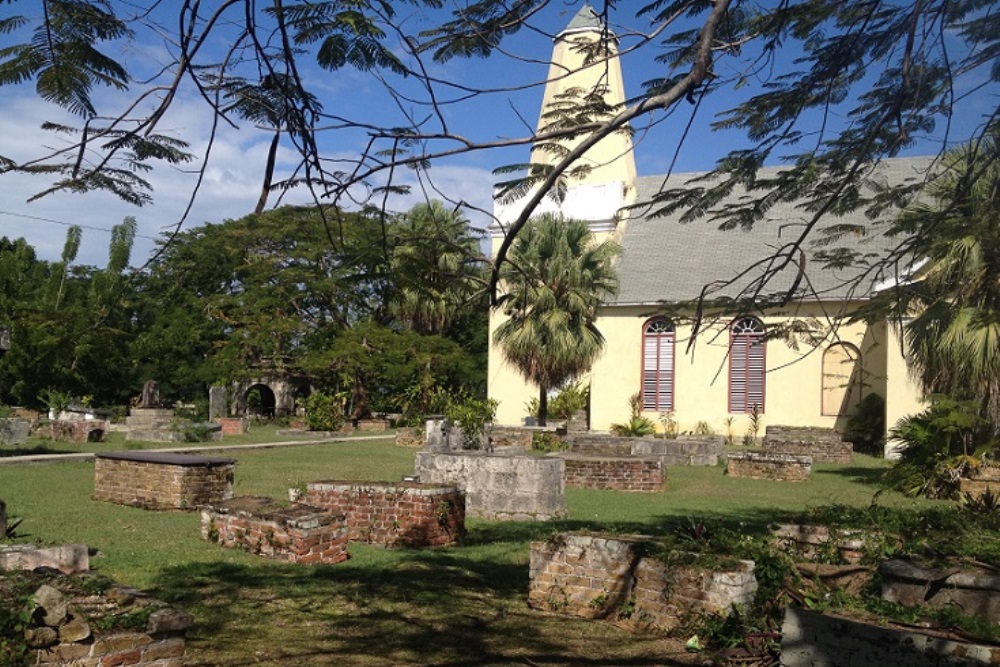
{"type": "Point", "coordinates": [585, 73]}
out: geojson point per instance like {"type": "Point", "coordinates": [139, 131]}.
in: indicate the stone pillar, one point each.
{"type": "Point", "coordinates": [217, 400]}
{"type": "Point", "coordinates": [437, 431]}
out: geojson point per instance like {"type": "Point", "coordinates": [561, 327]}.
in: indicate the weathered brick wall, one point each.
{"type": "Point", "coordinates": [60, 635]}
{"type": "Point", "coordinates": [296, 533]}
{"type": "Point", "coordinates": [703, 450]}
{"type": "Point", "coordinates": [497, 486]}
{"type": "Point", "coordinates": [76, 430]}
{"type": "Point", "coordinates": [372, 425]}
{"type": "Point", "coordinates": [233, 425]}
{"type": "Point", "coordinates": [410, 436]}
{"type": "Point", "coordinates": [767, 465]}
{"type": "Point", "coordinates": [511, 436]}
{"type": "Point", "coordinates": [684, 450]}
{"type": "Point", "coordinates": [621, 473]}
{"type": "Point", "coordinates": [779, 432]}
{"type": "Point", "coordinates": [981, 481]}
{"type": "Point", "coordinates": [595, 576]}
{"type": "Point", "coordinates": [820, 451]}
{"type": "Point", "coordinates": [811, 639]}
{"type": "Point", "coordinates": [409, 514]}
{"type": "Point", "coordinates": [808, 542]}
{"type": "Point", "coordinates": [162, 481]}
{"type": "Point", "coordinates": [665, 593]}
{"type": "Point", "coordinates": [976, 593]}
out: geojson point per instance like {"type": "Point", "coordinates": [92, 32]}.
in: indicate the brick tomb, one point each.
{"type": "Point", "coordinates": [823, 445]}
{"type": "Point", "coordinates": [393, 514]}
{"type": "Point", "coordinates": [157, 480]}
{"type": "Point", "coordinates": [599, 576]}
{"type": "Point", "coordinates": [290, 532]}
{"type": "Point", "coordinates": [769, 465]}
{"type": "Point", "coordinates": [621, 473]}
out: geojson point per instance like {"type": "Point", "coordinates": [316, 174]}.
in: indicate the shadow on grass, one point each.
{"type": "Point", "coordinates": [451, 607]}
{"type": "Point", "coordinates": [35, 451]}
{"type": "Point", "coordinates": [857, 474]}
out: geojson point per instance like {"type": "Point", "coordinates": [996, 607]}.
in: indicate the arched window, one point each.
{"type": "Point", "coordinates": [747, 349]}
{"type": "Point", "coordinates": [658, 365]}
{"type": "Point", "coordinates": [841, 379]}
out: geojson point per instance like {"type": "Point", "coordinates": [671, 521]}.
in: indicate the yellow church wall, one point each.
{"type": "Point", "coordinates": [793, 393]}
{"type": "Point", "coordinates": [904, 397]}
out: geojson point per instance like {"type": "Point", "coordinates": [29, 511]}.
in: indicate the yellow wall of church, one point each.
{"type": "Point", "coordinates": [793, 381]}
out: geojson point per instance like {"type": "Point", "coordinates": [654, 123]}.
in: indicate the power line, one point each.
{"type": "Point", "coordinates": [69, 224]}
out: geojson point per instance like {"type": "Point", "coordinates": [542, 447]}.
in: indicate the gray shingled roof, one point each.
{"type": "Point", "coordinates": [666, 261]}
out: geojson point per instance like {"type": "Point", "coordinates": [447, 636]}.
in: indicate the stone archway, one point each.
{"type": "Point", "coordinates": [260, 401]}
{"type": "Point", "coordinates": [278, 395]}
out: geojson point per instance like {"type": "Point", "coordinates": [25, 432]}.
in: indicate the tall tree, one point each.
{"type": "Point", "coordinates": [954, 334]}
{"type": "Point", "coordinates": [553, 287]}
{"type": "Point", "coordinates": [827, 88]}
{"type": "Point", "coordinates": [437, 265]}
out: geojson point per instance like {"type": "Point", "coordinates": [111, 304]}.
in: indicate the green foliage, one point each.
{"type": "Point", "coordinates": [635, 427]}
{"type": "Point", "coordinates": [703, 428]}
{"type": "Point", "coordinates": [473, 415]}
{"type": "Point", "coordinates": [55, 400]}
{"type": "Point", "coordinates": [324, 412]}
{"type": "Point", "coordinates": [571, 399]}
{"type": "Point", "coordinates": [669, 425]}
{"type": "Point", "coordinates": [546, 442]}
{"type": "Point", "coordinates": [756, 418]}
{"type": "Point", "coordinates": [939, 446]}
{"type": "Point", "coordinates": [986, 502]}
{"type": "Point", "coordinates": [866, 428]}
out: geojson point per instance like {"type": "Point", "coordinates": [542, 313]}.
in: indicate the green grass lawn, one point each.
{"type": "Point", "coordinates": [457, 606]}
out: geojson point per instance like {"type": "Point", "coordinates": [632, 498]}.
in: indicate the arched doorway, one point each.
{"type": "Point", "coordinates": [260, 401]}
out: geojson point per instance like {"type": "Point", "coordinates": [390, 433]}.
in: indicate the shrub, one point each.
{"type": "Point", "coordinates": [324, 412]}
{"type": "Point", "coordinates": [635, 427]}
{"type": "Point", "coordinates": [472, 415]}
{"type": "Point", "coordinates": [939, 446]}
{"type": "Point", "coordinates": [571, 399]}
{"type": "Point", "coordinates": [867, 427]}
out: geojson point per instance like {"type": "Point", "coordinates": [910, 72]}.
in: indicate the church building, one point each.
{"type": "Point", "coordinates": [798, 364]}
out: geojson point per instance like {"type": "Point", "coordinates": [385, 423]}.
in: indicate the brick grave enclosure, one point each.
{"type": "Point", "coordinates": [621, 473]}
{"type": "Point", "coordinates": [392, 514]}
{"type": "Point", "coordinates": [823, 445]}
{"type": "Point", "coordinates": [291, 532]}
{"type": "Point", "coordinates": [75, 430]}
{"type": "Point", "coordinates": [981, 481]}
{"type": "Point", "coordinates": [808, 543]}
{"type": "Point", "coordinates": [975, 593]}
{"type": "Point", "coordinates": [156, 480]}
{"type": "Point", "coordinates": [596, 576]}
{"type": "Point", "coordinates": [233, 425]}
{"type": "Point", "coordinates": [767, 465]}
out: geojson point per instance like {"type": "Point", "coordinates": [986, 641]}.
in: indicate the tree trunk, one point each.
{"type": "Point", "coordinates": [543, 405]}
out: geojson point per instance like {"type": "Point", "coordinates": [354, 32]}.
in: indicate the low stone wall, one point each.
{"type": "Point", "coordinates": [61, 632]}
{"type": "Point", "coordinates": [500, 486]}
{"type": "Point", "coordinates": [233, 425]}
{"type": "Point", "coordinates": [511, 436]}
{"type": "Point", "coordinates": [372, 424]}
{"type": "Point", "coordinates": [620, 473]}
{"type": "Point", "coordinates": [162, 481]}
{"type": "Point", "coordinates": [702, 450]}
{"type": "Point", "coordinates": [821, 452]}
{"type": "Point", "coordinates": [404, 514]}
{"type": "Point", "coordinates": [14, 431]}
{"type": "Point", "coordinates": [684, 450]}
{"type": "Point", "coordinates": [984, 479]}
{"type": "Point", "coordinates": [766, 465]}
{"type": "Point", "coordinates": [808, 542]}
{"type": "Point", "coordinates": [801, 434]}
{"type": "Point", "coordinates": [295, 533]}
{"type": "Point", "coordinates": [76, 430]}
{"type": "Point", "coordinates": [597, 576]}
{"type": "Point", "coordinates": [67, 558]}
{"type": "Point", "coordinates": [810, 639]}
{"type": "Point", "coordinates": [974, 593]}
{"type": "Point", "coordinates": [410, 436]}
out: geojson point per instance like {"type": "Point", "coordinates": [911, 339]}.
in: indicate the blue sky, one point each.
{"type": "Point", "coordinates": [233, 179]}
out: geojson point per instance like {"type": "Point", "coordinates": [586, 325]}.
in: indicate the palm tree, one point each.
{"type": "Point", "coordinates": [438, 267]}
{"type": "Point", "coordinates": [954, 338]}
{"type": "Point", "coordinates": [554, 281]}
